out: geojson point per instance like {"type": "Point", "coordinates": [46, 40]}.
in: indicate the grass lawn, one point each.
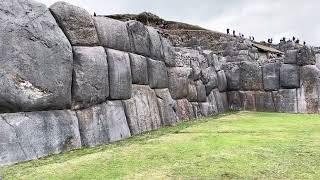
{"type": "Point", "coordinates": [245, 145]}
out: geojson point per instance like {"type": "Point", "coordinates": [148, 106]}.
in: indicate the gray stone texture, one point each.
{"type": "Point", "coordinates": [142, 110]}
{"type": "Point", "coordinates": [158, 75]}
{"type": "Point", "coordinates": [213, 108]}
{"type": "Point", "coordinates": [306, 56]}
{"type": "Point", "coordinates": [184, 110]}
{"type": "Point", "coordinates": [309, 93]}
{"type": "Point", "coordinates": [213, 59]}
{"type": "Point", "coordinates": [112, 33]}
{"type": "Point", "coordinates": [27, 136]}
{"type": "Point", "coordinates": [271, 76]}
{"type": "Point", "coordinates": [289, 76]}
{"type": "Point", "coordinates": [221, 100]}
{"type": "Point", "coordinates": [285, 100]}
{"type": "Point", "coordinates": [192, 92]}
{"type": "Point", "coordinates": [234, 100]}
{"type": "Point", "coordinates": [201, 91]}
{"type": "Point", "coordinates": [120, 80]}
{"type": "Point", "coordinates": [90, 78]}
{"type": "Point", "coordinates": [139, 38]}
{"type": "Point", "coordinates": [102, 124]}
{"type": "Point", "coordinates": [222, 81]}
{"type": "Point", "coordinates": [264, 101]}
{"type": "Point", "coordinates": [76, 23]}
{"type": "Point", "coordinates": [248, 100]}
{"type": "Point", "coordinates": [232, 72]}
{"type": "Point", "coordinates": [251, 76]}
{"type": "Point", "coordinates": [178, 82]}
{"type": "Point", "coordinates": [291, 57]}
{"type": "Point", "coordinates": [156, 49]}
{"type": "Point", "coordinates": [35, 61]}
{"type": "Point", "coordinates": [209, 78]}
{"type": "Point", "coordinates": [139, 69]}
{"type": "Point", "coordinates": [167, 107]}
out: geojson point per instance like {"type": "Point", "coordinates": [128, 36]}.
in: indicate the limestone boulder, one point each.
{"type": "Point", "coordinates": [167, 107]}
{"type": "Point", "coordinates": [213, 59]}
{"type": "Point", "coordinates": [209, 78]}
{"type": "Point", "coordinates": [27, 136]}
{"type": "Point", "coordinates": [178, 82]}
{"type": "Point", "coordinates": [248, 100]}
{"type": "Point", "coordinates": [184, 110]}
{"type": "Point", "coordinates": [139, 69]}
{"type": "Point", "coordinates": [309, 93]}
{"type": "Point", "coordinates": [213, 108]}
{"type": "Point", "coordinates": [158, 75]}
{"type": "Point", "coordinates": [222, 81]}
{"type": "Point", "coordinates": [35, 61]}
{"type": "Point", "coordinates": [271, 76]}
{"type": "Point", "coordinates": [232, 72]}
{"type": "Point", "coordinates": [234, 100]}
{"type": "Point", "coordinates": [221, 100]}
{"type": "Point", "coordinates": [102, 124]}
{"type": "Point", "coordinates": [142, 110]}
{"type": "Point", "coordinates": [112, 33]}
{"type": "Point", "coordinates": [156, 49]}
{"type": "Point", "coordinates": [306, 56]}
{"type": "Point", "coordinates": [250, 76]}
{"type": "Point", "coordinates": [264, 101]}
{"type": "Point", "coordinates": [289, 76]}
{"type": "Point", "coordinates": [139, 38]}
{"type": "Point", "coordinates": [291, 57]}
{"type": "Point", "coordinates": [90, 77]}
{"type": "Point", "coordinates": [192, 92]}
{"type": "Point", "coordinates": [285, 100]}
{"type": "Point", "coordinates": [76, 23]}
{"type": "Point", "coordinates": [120, 80]}
{"type": "Point", "coordinates": [201, 91]}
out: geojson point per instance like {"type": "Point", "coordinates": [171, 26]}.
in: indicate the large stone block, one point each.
{"type": "Point", "coordinates": [285, 100]}
{"type": "Point", "coordinates": [291, 57]}
{"type": "Point", "coordinates": [306, 56]}
{"type": "Point", "coordinates": [35, 61]}
{"type": "Point", "coordinates": [289, 76]}
{"type": "Point", "coordinates": [102, 124]}
{"type": "Point", "coordinates": [27, 136]}
{"type": "Point", "coordinates": [90, 77]}
{"type": "Point", "coordinates": [222, 81]}
{"type": "Point", "coordinates": [192, 92]}
{"type": "Point", "coordinates": [234, 100]}
{"type": "Point", "coordinates": [184, 110]}
{"type": "Point", "coordinates": [139, 69]}
{"type": "Point", "coordinates": [209, 78]}
{"type": "Point", "coordinates": [120, 82]}
{"type": "Point", "coordinates": [139, 38]}
{"type": "Point", "coordinates": [167, 107]}
{"type": "Point", "coordinates": [264, 101]}
{"type": "Point", "coordinates": [158, 75]}
{"type": "Point", "coordinates": [112, 33]}
{"type": "Point", "coordinates": [213, 60]}
{"type": "Point", "coordinates": [213, 108]}
{"type": "Point", "coordinates": [221, 100]}
{"type": "Point", "coordinates": [76, 23]}
{"type": "Point", "coordinates": [309, 93]}
{"type": "Point", "coordinates": [271, 76]}
{"type": "Point", "coordinates": [142, 110]}
{"type": "Point", "coordinates": [248, 100]}
{"type": "Point", "coordinates": [201, 91]}
{"type": "Point", "coordinates": [178, 82]}
{"type": "Point", "coordinates": [251, 76]}
{"type": "Point", "coordinates": [156, 49]}
{"type": "Point", "coordinates": [232, 72]}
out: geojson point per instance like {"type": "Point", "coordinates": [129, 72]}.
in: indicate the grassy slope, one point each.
{"type": "Point", "coordinates": [239, 146]}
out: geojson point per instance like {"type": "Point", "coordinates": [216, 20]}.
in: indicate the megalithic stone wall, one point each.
{"type": "Point", "coordinates": [70, 80]}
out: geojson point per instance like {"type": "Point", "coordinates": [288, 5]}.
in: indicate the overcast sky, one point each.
{"type": "Point", "coordinates": [261, 18]}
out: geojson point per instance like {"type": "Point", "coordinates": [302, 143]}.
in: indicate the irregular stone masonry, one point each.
{"type": "Point", "coordinates": [98, 80]}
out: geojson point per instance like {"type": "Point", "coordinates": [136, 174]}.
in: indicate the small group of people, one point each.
{"type": "Point", "coordinates": [294, 39]}
{"type": "Point", "coordinates": [234, 33]}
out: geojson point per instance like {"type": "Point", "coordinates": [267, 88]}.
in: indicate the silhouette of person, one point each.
{"type": "Point", "coordinates": [94, 14]}
{"type": "Point", "coordinates": [228, 31]}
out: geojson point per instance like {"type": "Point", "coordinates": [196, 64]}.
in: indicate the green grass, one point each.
{"type": "Point", "coordinates": [246, 145]}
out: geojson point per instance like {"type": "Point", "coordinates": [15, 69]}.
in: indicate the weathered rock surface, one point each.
{"type": "Point", "coordinates": [90, 77]}
{"type": "Point", "coordinates": [232, 72]}
{"type": "Point", "coordinates": [201, 91]}
{"type": "Point", "coordinates": [291, 57]}
{"type": "Point", "coordinates": [158, 75]}
{"type": "Point", "coordinates": [184, 110]}
{"type": "Point", "coordinates": [306, 56]}
{"type": "Point", "coordinates": [139, 69]}
{"type": "Point", "coordinates": [167, 107]}
{"type": "Point", "coordinates": [27, 136]}
{"type": "Point", "coordinates": [102, 124]}
{"type": "Point", "coordinates": [222, 81]}
{"type": "Point", "coordinates": [113, 33]}
{"type": "Point", "coordinates": [35, 61]}
{"type": "Point", "coordinates": [76, 23]}
{"type": "Point", "coordinates": [289, 76]}
{"type": "Point", "coordinates": [309, 93]}
{"type": "Point", "coordinates": [271, 76]}
{"type": "Point", "coordinates": [192, 92]}
{"type": "Point", "coordinates": [213, 108]}
{"type": "Point", "coordinates": [264, 101]}
{"type": "Point", "coordinates": [178, 82]}
{"type": "Point", "coordinates": [142, 110]}
{"type": "Point", "coordinates": [234, 100]}
{"type": "Point", "coordinates": [209, 78]}
{"type": "Point", "coordinates": [221, 100]}
{"type": "Point", "coordinates": [139, 38]}
{"type": "Point", "coordinates": [285, 100]}
{"type": "Point", "coordinates": [213, 59]}
{"type": "Point", "coordinates": [156, 49]}
{"type": "Point", "coordinates": [248, 100]}
{"type": "Point", "coordinates": [251, 76]}
{"type": "Point", "coordinates": [120, 82]}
